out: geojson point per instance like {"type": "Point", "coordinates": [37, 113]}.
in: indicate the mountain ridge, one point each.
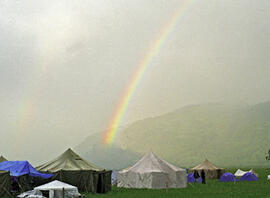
{"type": "Point", "coordinates": [224, 133]}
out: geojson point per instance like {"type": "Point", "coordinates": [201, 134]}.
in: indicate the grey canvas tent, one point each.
{"type": "Point", "coordinates": [2, 159]}
{"type": "Point", "coordinates": [211, 170]}
{"type": "Point", "coordinates": [153, 173]}
{"type": "Point", "coordinates": [5, 184]}
{"type": "Point", "coordinates": [71, 168]}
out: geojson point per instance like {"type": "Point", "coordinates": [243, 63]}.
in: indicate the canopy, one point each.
{"type": "Point", "coordinates": [57, 189]}
{"type": "Point", "coordinates": [70, 161]}
{"type": "Point", "coordinates": [152, 172]}
{"type": "Point", "coordinates": [56, 185]}
{"type": "Point", "coordinates": [2, 159]}
{"type": "Point", "coordinates": [18, 168]}
{"type": "Point", "coordinates": [249, 176]}
{"type": "Point", "coordinates": [228, 177]}
{"type": "Point", "coordinates": [211, 170]}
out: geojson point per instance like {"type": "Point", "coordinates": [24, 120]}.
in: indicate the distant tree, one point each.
{"type": "Point", "coordinates": [267, 157]}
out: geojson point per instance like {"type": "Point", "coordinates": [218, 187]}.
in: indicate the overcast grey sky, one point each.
{"type": "Point", "coordinates": [64, 64]}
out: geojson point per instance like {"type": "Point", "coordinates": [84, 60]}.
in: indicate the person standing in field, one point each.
{"type": "Point", "coordinates": [203, 176]}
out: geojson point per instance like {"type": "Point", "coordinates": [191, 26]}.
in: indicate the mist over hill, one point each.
{"type": "Point", "coordinates": [228, 135]}
{"type": "Point", "coordinates": [105, 156]}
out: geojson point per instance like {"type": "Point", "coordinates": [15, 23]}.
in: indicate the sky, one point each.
{"type": "Point", "coordinates": [65, 64]}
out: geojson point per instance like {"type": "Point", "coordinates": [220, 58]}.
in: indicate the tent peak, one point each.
{"type": "Point", "coordinates": [2, 158]}
{"type": "Point", "coordinates": [69, 160]}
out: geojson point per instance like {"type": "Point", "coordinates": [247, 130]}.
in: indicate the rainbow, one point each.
{"type": "Point", "coordinates": [151, 53]}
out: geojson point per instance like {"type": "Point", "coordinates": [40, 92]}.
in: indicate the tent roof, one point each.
{"type": "Point", "coordinates": [18, 168]}
{"type": "Point", "coordinates": [206, 165]}
{"type": "Point", "coordinates": [239, 173]}
{"type": "Point", "coordinates": [2, 159]}
{"type": "Point", "coordinates": [69, 160]}
{"type": "Point", "coordinates": [249, 176]}
{"type": "Point", "coordinates": [227, 177]}
{"type": "Point", "coordinates": [55, 185]}
{"type": "Point", "coordinates": [151, 163]}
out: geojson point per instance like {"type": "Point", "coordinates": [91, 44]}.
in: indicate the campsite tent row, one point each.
{"type": "Point", "coordinates": [155, 173]}
{"type": "Point", "coordinates": [149, 172]}
{"type": "Point", "coordinates": [68, 167]}
{"type": "Point", "coordinates": [229, 177]}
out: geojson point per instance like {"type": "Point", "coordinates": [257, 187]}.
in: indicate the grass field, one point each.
{"type": "Point", "coordinates": [213, 188]}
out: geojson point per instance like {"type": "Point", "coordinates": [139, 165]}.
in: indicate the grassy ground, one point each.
{"type": "Point", "coordinates": [213, 188]}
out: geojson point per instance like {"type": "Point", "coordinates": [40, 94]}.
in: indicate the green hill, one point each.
{"type": "Point", "coordinates": [228, 135]}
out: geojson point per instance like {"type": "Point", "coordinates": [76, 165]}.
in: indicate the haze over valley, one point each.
{"type": "Point", "coordinates": [66, 65]}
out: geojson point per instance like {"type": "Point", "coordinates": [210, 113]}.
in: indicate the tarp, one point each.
{"type": "Point", "coordinates": [249, 176]}
{"type": "Point", "coordinates": [2, 159]}
{"type": "Point", "coordinates": [19, 168]}
{"type": "Point", "coordinates": [191, 178]}
{"type": "Point", "coordinates": [73, 169]}
{"type": "Point", "coordinates": [57, 188]}
{"type": "Point", "coordinates": [228, 177]}
{"type": "Point", "coordinates": [5, 183]}
{"type": "Point", "coordinates": [154, 173]}
{"type": "Point", "coordinates": [211, 170]}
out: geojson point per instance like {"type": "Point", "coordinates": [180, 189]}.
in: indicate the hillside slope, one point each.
{"type": "Point", "coordinates": [228, 135]}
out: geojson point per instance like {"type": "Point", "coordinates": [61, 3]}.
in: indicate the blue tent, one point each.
{"type": "Point", "coordinates": [249, 176]}
{"type": "Point", "coordinates": [18, 168]}
{"type": "Point", "coordinates": [228, 177]}
{"type": "Point", "coordinates": [191, 179]}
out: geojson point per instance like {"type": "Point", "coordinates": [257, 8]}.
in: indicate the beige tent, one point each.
{"type": "Point", "coordinates": [71, 168]}
{"type": "Point", "coordinates": [211, 170]}
{"type": "Point", "coordinates": [154, 173]}
{"type": "Point", "coordinates": [2, 159]}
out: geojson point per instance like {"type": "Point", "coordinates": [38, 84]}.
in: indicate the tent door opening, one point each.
{"type": "Point", "coordinates": [100, 188]}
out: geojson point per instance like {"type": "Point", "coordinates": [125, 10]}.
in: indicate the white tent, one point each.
{"type": "Point", "coordinates": [154, 173]}
{"type": "Point", "coordinates": [57, 189]}
{"type": "Point", "coordinates": [240, 173]}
